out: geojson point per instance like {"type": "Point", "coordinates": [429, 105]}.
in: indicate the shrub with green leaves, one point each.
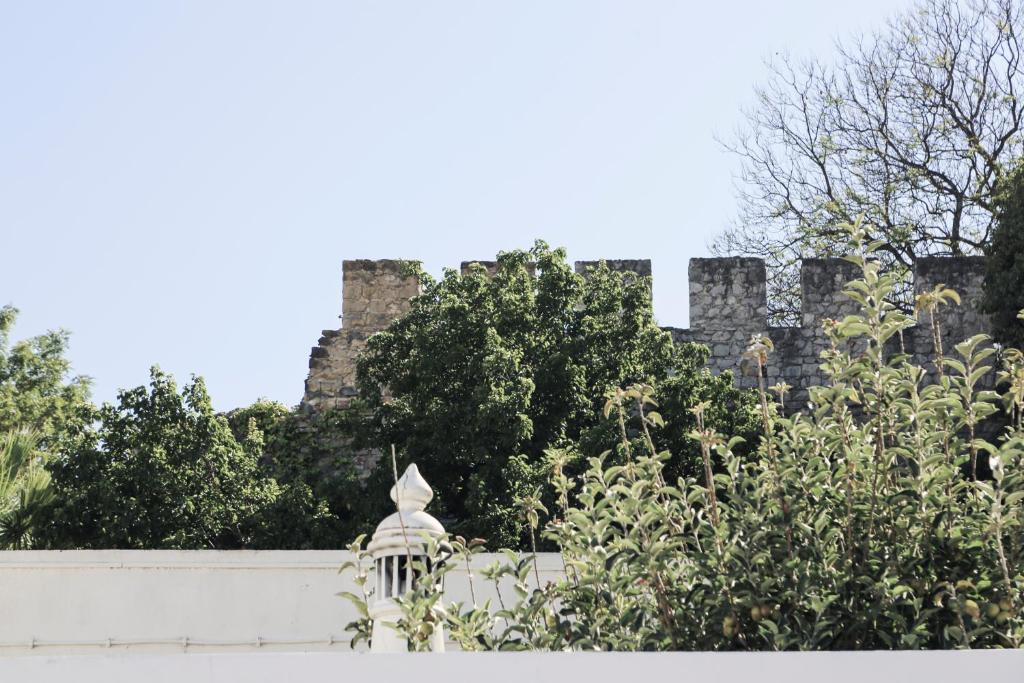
{"type": "Point", "coordinates": [860, 524]}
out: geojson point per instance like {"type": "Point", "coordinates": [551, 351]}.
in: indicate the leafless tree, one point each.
{"type": "Point", "coordinates": [911, 126]}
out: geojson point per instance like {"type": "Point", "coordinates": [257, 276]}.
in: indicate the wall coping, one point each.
{"type": "Point", "coordinates": [211, 559]}
{"type": "Point", "coordinates": [711, 667]}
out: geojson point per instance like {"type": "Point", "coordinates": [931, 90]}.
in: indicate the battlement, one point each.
{"type": "Point", "coordinates": [728, 304]}
{"type": "Point", "coordinates": [728, 293]}
{"type": "Point", "coordinates": [966, 275]}
{"type": "Point", "coordinates": [373, 293]}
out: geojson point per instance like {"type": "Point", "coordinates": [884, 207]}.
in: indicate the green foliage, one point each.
{"type": "Point", "coordinates": [310, 456]}
{"type": "Point", "coordinates": [860, 524]}
{"type": "Point", "coordinates": [1004, 265]}
{"type": "Point", "coordinates": [486, 373]}
{"type": "Point", "coordinates": [263, 417]}
{"type": "Point", "coordinates": [160, 470]}
{"type": "Point", "coordinates": [40, 403]}
{"type": "Point", "coordinates": [36, 392]}
{"type": "Point", "coordinates": [296, 519]}
{"type": "Point", "coordinates": [726, 409]}
{"type": "Point", "coordinates": [24, 490]}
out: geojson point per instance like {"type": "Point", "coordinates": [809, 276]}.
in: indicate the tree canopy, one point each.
{"type": "Point", "coordinates": [25, 492]}
{"type": "Point", "coordinates": [912, 127]}
{"type": "Point", "coordinates": [37, 392]}
{"type": "Point", "coordinates": [158, 470]}
{"type": "Point", "coordinates": [310, 456]}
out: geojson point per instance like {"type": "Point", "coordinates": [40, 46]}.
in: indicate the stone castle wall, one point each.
{"type": "Point", "coordinates": [728, 305]}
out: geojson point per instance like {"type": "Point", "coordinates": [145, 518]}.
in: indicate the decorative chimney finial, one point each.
{"type": "Point", "coordinates": [396, 545]}
{"type": "Point", "coordinates": [412, 493]}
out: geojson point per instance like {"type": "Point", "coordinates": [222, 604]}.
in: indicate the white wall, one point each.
{"type": "Point", "coordinates": [528, 667]}
{"type": "Point", "coordinates": [224, 600]}
{"type": "Point", "coordinates": [150, 601]}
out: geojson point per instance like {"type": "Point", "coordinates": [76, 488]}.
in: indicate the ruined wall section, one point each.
{"type": "Point", "coordinates": [374, 293]}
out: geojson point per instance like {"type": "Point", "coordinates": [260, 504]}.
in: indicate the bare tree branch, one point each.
{"type": "Point", "coordinates": [912, 126]}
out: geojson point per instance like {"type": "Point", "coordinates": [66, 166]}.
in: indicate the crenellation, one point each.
{"type": "Point", "coordinates": [728, 305]}
{"type": "Point", "coordinates": [965, 275]}
{"type": "Point", "coordinates": [374, 293]}
{"type": "Point", "coordinates": [796, 359]}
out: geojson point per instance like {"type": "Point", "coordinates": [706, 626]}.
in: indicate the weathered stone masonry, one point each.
{"type": "Point", "coordinates": [728, 305]}
{"type": "Point", "coordinates": [373, 294]}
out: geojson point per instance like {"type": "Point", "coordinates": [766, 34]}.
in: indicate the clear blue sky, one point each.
{"type": "Point", "coordinates": [180, 181]}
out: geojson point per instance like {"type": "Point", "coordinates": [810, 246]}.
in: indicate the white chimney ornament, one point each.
{"type": "Point", "coordinates": [397, 539]}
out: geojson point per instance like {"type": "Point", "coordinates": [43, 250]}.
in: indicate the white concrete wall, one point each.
{"type": "Point", "coordinates": [526, 667]}
{"type": "Point", "coordinates": [62, 602]}
{"type": "Point", "coordinates": [224, 601]}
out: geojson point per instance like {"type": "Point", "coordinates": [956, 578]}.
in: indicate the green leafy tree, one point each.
{"type": "Point", "coordinates": [36, 390]}
{"type": "Point", "coordinates": [159, 470]}
{"type": "Point", "coordinates": [487, 372]}
{"type": "Point", "coordinates": [310, 456]}
{"type": "Point", "coordinates": [1004, 265]}
{"type": "Point", "coordinates": [860, 525]}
